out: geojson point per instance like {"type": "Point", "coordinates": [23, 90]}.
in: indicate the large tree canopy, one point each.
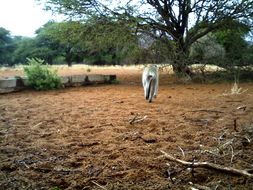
{"type": "Point", "coordinates": [183, 21]}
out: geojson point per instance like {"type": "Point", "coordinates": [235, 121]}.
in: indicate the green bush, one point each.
{"type": "Point", "coordinates": [40, 76]}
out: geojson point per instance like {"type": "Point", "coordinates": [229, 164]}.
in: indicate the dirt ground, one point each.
{"type": "Point", "coordinates": [109, 137]}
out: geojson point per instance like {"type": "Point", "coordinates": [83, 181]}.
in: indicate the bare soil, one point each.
{"type": "Point", "coordinates": [110, 137]}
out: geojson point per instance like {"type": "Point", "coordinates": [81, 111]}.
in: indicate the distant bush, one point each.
{"type": "Point", "coordinates": [40, 76]}
{"type": "Point", "coordinates": [208, 51]}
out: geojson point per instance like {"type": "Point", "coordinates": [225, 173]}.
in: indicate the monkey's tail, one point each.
{"type": "Point", "coordinates": [150, 89]}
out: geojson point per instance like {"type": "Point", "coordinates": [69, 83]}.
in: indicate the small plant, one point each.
{"type": "Point", "coordinates": [40, 76]}
{"type": "Point", "coordinates": [115, 81]}
{"type": "Point", "coordinates": [235, 90]}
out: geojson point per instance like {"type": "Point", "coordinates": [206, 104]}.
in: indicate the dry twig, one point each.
{"type": "Point", "coordinates": [105, 124]}
{"type": "Point", "coordinates": [98, 185]}
{"type": "Point", "coordinates": [132, 120]}
{"type": "Point", "coordinates": [231, 170]}
{"type": "Point", "coordinates": [200, 187]}
{"type": "Point", "coordinates": [136, 119]}
{"type": "Point", "coordinates": [37, 125]}
{"type": "Point", "coordinates": [241, 108]}
{"type": "Point", "coordinates": [235, 125]}
{"type": "Point", "coordinates": [232, 154]}
{"type": "Point", "coordinates": [207, 110]}
{"type": "Point", "coordinates": [182, 151]}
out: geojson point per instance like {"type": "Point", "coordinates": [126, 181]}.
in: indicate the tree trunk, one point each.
{"type": "Point", "coordinates": [69, 62]}
{"type": "Point", "coordinates": [180, 67]}
{"type": "Point", "coordinates": [68, 56]}
{"type": "Point", "coordinates": [181, 62]}
{"type": "Point", "coordinates": [69, 59]}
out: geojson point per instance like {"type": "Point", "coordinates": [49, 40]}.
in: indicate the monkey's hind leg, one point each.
{"type": "Point", "coordinates": [151, 90]}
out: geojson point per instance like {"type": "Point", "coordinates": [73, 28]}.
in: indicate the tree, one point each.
{"type": "Point", "coordinates": [6, 47]}
{"type": "Point", "coordinates": [109, 40]}
{"type": "Point", "coordinates": [233, 40]}
{"type": "Point", "coordinates": [43, 46]}
{"type": "Point", "coordinates": [248, 55]}
{"type": "Point", "coordinates": [47, 46]}
{"type": "Point", "coordinates": [207, 50]}
{"type": "Point", "coordinates": [24, 48]}
{"type": "Point", "coordinates": [183, 21]}
{"type": "Point", "coordinates": [97, 40]}
{"type": "Point", "coordinates": [66, 39]}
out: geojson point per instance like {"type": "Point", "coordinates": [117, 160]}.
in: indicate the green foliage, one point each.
{"type": "Point", "coordinates": [25, 48]}
{"type": "Point", "coordinates": [115, 81]}
{"type": "Point", "coordinates": [40, 76]}
{"type": "Point", "coordinates": [62, 39]}
{"type": "Point", "coordinates": [207, 50]}
{"type": "Point", "coordinates": [232, 39]}
{"type": "Point", "coordinates": [108, 40]}
{"type": "Point", "coordinates": [47, 46]}
{"type": "Point", "coordinates": [6, 47]}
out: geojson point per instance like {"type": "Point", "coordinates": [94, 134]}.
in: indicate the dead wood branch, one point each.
{"type": "Point", "coordinates": [235, 125]}
{"type": "Point", "coordinates": [201, 187]}
{"type": "Point", "coordinates": [132, 120]}
{"type": "Point", "coordinates": [98, 185]}
{"type": "Point", "coordinates": [232, 154]}
{"type": "Point", "coordinates": [182, 151]}
{"type": "Point", "coordinates": [62, 171]}
{"type": "Point", "coordinates": [206, 110]}
{"type": "Point", "coordinates": [137, 119]}
{"type": "Point", "coordinates": [208, 165]}
{"type": "Point", "coordinates": [106, 124]}
{"type": "Point", "coordinates": [223, 146]}
{"type": "Point", "coordinates": [241, 108]}
{"type": "Point", "coordinates": [37, 125]}
{"type": "Point", "coordinates": [233, 101]}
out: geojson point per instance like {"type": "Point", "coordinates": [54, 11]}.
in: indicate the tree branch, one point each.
{"type": "Point", "coordinates": [208, 165]}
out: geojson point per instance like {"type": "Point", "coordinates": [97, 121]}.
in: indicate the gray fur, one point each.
{"type": "Point", "coordinates": [150, 81]}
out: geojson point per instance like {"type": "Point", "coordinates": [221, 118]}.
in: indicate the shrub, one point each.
{"type": "Point", "coordinates": [208, 51]}
{"type": "Point", "coordinates": [41, 77]}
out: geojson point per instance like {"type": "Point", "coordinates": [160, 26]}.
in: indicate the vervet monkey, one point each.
{"type": "Point", "coordinates": [150, 79]}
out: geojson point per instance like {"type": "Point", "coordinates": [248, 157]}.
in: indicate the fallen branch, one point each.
{"type": "Point", "coordinates": [136, 119]}
{"type": "Point", "coordinates": [232, 154]}
{"type": "Point", "coordinates": [200, 187]}
{"type": "Point", "coordinates": [37, 125]}
{"type": "Point", "coordinates": [105, 125]}
{"type": "Point", "coordinates": [182, 151]}
{"type": "Point", "coordinates": [233, 101]}
{"type": "Point", "coordinates": [207, 110]}
{"type": "Point", "coordinates": [132, 120]}
{"type": "Point", "coordinates": [209, 165]}
{"type": "Point", "coordinates": [98, 185]}
{"type": "Point", "coordinates": [63, 171]}
{"type": "Point", "coordinates": [235, 125]}
{"type": "Point", "coordinates": [140, 119]}
{"type": "Point", "coordinates": [241, 108]}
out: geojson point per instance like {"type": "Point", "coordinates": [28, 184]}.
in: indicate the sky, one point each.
{"type": "Point", "coordinates": [23, 17]}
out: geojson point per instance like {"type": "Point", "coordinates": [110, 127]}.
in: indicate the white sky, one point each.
{"type": "Point", "coordinates": [23, 17]}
